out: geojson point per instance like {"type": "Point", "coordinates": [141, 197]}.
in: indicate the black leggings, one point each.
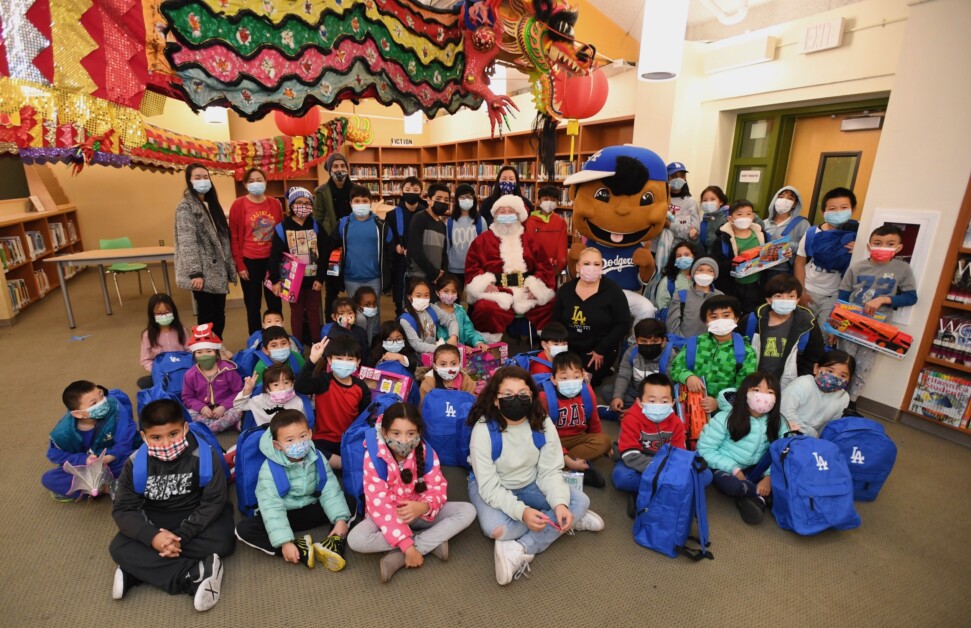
{"type": "Point", "coordinates": [212, 309]}
{"type": "Point", "coordinates": [254, 291]}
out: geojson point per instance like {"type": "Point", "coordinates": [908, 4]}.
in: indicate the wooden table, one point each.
{"type": "Point", "coordinates": [101, 257]}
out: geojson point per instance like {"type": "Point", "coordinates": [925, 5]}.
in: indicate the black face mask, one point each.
{"type": "Point", "coordinates": [650, 352]}
{"type": "Point", "coordinates": [514, 408]}
{"type": "Point", "coordinates": [440, 208]}
{"type": "Point", "coordinates": [409, 198]}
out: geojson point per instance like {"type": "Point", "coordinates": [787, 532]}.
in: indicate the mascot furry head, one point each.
{"type": "Point", "coordinates": [620, 200]}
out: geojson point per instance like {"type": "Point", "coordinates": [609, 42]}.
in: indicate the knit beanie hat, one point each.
{"type": "Point", "coordinates": [204, 338]}
{"type": "Point", "coordinates": [298, 192]}
{"type": "Point", "coordinates": [706, 261]}
{"type": "Point", "coordinates": [332, 158]}
{"type": "Point", "coordinates": [511, 200]}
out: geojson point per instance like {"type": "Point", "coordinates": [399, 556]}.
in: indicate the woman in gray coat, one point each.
{"type": "Point", "coordinates": [203, 259]}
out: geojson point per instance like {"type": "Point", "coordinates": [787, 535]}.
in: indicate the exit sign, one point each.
{"type": "Point", "coordinates": [822, 36]}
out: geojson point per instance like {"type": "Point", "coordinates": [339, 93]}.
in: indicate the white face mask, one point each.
{"type": "Point", "coordinates": [722, 326]}
{"type": "Point", "coordinates": [556, 350]}
{"type": "Point", "coordinates": [420, 305]}
{"type": "Point", "coordinates": [709, 207]}
{"type": "Point", "coordinates": [704, 279]}
{"type": "Point", "coordinates": [548, 206]}
{"type": "Point", "coordinates": [742, 223]}
{"type": "Point", "coordinates": [465, 204]}
{"type": "Point", "coordinates": [447, 374]}
{"type": "Point", "coordinates": [784, 205]}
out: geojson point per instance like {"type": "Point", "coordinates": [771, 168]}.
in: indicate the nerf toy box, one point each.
{"type": "Point", "coordinates": [848, 321]}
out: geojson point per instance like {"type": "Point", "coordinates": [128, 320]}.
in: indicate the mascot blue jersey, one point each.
{"type": "Point", "coordinates": [619, 265]}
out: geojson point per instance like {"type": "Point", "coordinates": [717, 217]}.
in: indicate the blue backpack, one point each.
{"type": "Point", "coordinates": [751, 326]}
{"type": "Point", "coordinates": [207, 445]}
{"type": "Point", "coordinates": [169, 369]}
{"type": "Point", "coordinates": [445, 412]}
{"type": "Point", "coordinates": [870, 452]}
{"type": "Point", "coordinates": [495, 438]}
{"type": "Point", "coordinates": [525, 359]}
{"type": "Point", "coordinates": [827, 249]}
{"type": "Point", "coordinates": [308, 411]}
{"type": "Point", "coordinates": [674, 342]}
{"type": "Point", "coordinates": [662, 314]}
{"type": "Point", "coordinates": [155, 393]}
{"type": "Point", "coordinates": [671, 496]}
{"type": "Point", "coordinates": [691, 351]}
{"type": "Point", "coordinates": [553, 406]}
{"type": "Point", "coordinates": [352, 447]}
{"type": "Point", "coordinates": [394, 366]}
{"type": "Point", "coordinates": [812, 489]}
{"type": "Point", "coordinates": [249, 461]}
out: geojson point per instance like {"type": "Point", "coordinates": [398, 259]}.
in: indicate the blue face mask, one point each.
{"type": "Point", "coordinates": [677, 184]}
{"type": "Point", "coordinates": [256, 188]}
{"type": "Point", "coordinates": [657, 412]}
{"type": "Point", "coordinates": [837, 218]}
{"type": "Point", "coordinates": [507, 219]}
{"type": "Point", "coordinates": [361, 210]}
{"type": "Point", "coordinates": [684, 263]}
{"type": "Point", "coordinates": [299, 449]}
{"type": "Point", "coordinates": [280, 355]}
{"type": "Point", "coordinates": [343, 368]}
{"type": "Point", "coordinates": [394, 346]}
{"type": "Point", "coordinates": [201, 186]}
{"type": "Point", "coordinates": [507, 187]}
{"type": "Point", "coordinates": [100, 410]}
{"type": "Point", "coordinates": [369, 312]}
{"type": "Point", "coordinates": [783, 307]}
{"type": "Point", "coordinates": [570, 387]}
{"type": "Point", "coordinates": [465, 204]}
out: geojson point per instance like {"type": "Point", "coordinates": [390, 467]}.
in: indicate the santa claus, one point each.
{"type": "Point", "coordinates": [505, 276]}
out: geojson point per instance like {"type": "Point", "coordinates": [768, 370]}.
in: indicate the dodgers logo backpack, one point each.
{"type": "Point", "coordinates": [352, 447]}
{"type": "Point", "coordinates": [671, 496]}
{"type": "Point", "coordinates": [812, 489]}
{"type": "Point", "coordinates": [207, 445]}
{"type": "Point", "coordinates": [169, 369]}
{"type": "Point", "coordinates": [249, 461]}
{"type": "Point", "coordinates": [868, 450]}
{"type": "Point", "coordinates": [445, 412]}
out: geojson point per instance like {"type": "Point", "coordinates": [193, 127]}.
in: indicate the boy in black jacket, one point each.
{"type": "Point", "coordinates": [176, 533]}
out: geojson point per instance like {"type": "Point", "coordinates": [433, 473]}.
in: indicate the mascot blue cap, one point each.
{"type": "Point", "coordinates": [603, 164]}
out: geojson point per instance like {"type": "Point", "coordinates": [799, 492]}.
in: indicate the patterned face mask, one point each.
{"type": "Point", "coordinates": [827, 382]}
{"type": "Point", "coordinates": [171, 451]}
{"type": "Point", "coordinates": [403, 448]}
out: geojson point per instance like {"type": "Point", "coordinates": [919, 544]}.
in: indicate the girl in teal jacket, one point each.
{"type": "Point", "coordinates": [279, 520]}
{"type": "Point", "coordinates": [735, 443]}
{"type": "Point", "coordinates": [449, 293]}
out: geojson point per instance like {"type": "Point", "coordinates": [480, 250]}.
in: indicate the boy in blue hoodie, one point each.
{"type": "Point", "coordinates": [288, 446]}
{"type": "Point", "coordinates": [97, 421]}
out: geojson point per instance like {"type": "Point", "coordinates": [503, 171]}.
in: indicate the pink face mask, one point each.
{"type": "Point", "coordinates": [590, 273]}
{"type": "Point", "coordinates": [448, 298]}
{"type": "Point", "coordinates": [169, 452]}
{"type": "Point", "coordinates": [881, 254]}
{"type": "Point", "coordinates": [759, 402]}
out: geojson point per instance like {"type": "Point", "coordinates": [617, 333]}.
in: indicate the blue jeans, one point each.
{"type": "Point", "coordinates": [352, 286]}
{"type": "Point", "coordinates": [730, 485]}
{"type": "Point", "coordinates": [513, 529]}
{"type": "Point", "coordinates": [626, 479]}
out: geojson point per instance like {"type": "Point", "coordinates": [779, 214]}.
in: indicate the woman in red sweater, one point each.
{"type": "Point", "coordinates": [252, 219]}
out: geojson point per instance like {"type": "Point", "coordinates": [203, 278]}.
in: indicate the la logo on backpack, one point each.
{"type": "Point", "coordinates": [856, 456]}
{"type": "Point", "coordinates": [449, 410]}
{"type": "Point", "coordinates": [821, 463]}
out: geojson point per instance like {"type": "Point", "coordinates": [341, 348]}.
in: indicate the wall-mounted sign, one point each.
{"type": "Point", "coordinates": [402, 141]}
{"type": "Point", "coordinates": [749, 176]}
{"type": "Point", "coordinates": [822, 36]}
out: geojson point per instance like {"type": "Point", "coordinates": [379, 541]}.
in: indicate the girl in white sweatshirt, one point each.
{"type": "Point", "coordinates": [811, 401]}
{"type": "Point", "coordinates": [517, 485]}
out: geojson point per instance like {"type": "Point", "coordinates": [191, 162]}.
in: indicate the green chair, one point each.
{"type": "Point", "coordinates": [125, 267]}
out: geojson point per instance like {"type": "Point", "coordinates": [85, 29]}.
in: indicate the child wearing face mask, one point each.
{"type": "Point", "coordinates": [784, 219]}
{"type": "Point", "coordinates": [366, 306]}
{"type": "Point", "coordinates": [735, 443]}
{"type": "Point", "coordinates": [548, 229]}
{"type": "Point", "coordinates": [367, 242]}
{"type": "Point", "coordinates": [343, 324]}
{"type": "Point", "coordinates": [339, 395]}
{"type": "Point", "coordinates": [812, 401]}
{"type": "Point", "coordinates": [274, 529]}
{"type": "Point", "coordinates": [677, 273]}
{"type": "Point", "coordinates": [446, 372]}
{"type": "Point", "coordinates": [408, 511]}
{"type": "Point", "coordinates": [449, 291]}
{"type": "Point", "coordinates": [554, 341]}
{"type": "Point", "coordinates": [276, 348]}
{"type": "Point", "coordinates": [427, 249]}
{"type": "Point", "coordinates": [683, 210]}
{"type": "Point", "coordinates": [784, 335]}
{"type": "Point", "coordinates": [879, 284]}
{"type": "Point", "coordinates": [463, 225]}
{"type": "Point", "coordinates": [277, 395]}
{"type": "Point", "coordinates": [298, 235]}
{"type": "Point", "coordinates": [685, 307]}
{"type": "Point", "coordinates": [164, 332]}
{"type": "Point", "coordinates": [211, 385]}
{"type": "Point", "coordinates": [389, 345]}
{"type": "Point", "coordinates": [581, 434]}
{"type": "Point", "coordinates": [422, 319]}
{"type": "Point", "coordinates": [399, 220]}
{"type": "Point", "coordinates": [97, 421]}
{"type": "Point", "coordinates": [722, 358]}
{"type": "Point", "coordinates": [649, 424]}
{"type": "Point", "coordinates": [647, 356]}
{"type": "Point", "coordinates": [736, 236]}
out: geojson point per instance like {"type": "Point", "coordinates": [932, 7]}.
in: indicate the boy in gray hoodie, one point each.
{"type": "Point", "coordinates": [784, 218]}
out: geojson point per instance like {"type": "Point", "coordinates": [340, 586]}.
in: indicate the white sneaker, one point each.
{"type": "Point", "coordinates": [591, 522]}
{"type": "Point", "coordinates": [118, 587]}
{"type": "Point", "coordinates": [212, 576]}
{"type": "Point", "coordinates": [512, 561]}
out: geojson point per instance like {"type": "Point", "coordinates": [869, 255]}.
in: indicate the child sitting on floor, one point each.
{"type": "Point", "coordinates": [812, 401]}
{"type": "Point", "coordinates": [276, 347]}
{"type": "Point", "coordinates": [211, 385]}
{"type": "Point", "coordinates": [277, 395]}
{"type": "Point", "coordinates": [344, 317]}
{"type": "Point", "coordinates": [449, 295]}
{"type": "Point", "coordinates": [422, 319]}
{"type": "Point", "coordinates": [447, 372]}
{"type": "Point", "coordinates": [553, 340]}
{"type": "Point", "coordinates": [164, 332]}
{"type": "Point", "coordinates": [638, 362]}
{"type": "Point", "coordinates": [389, 345]}
{"type": "Point", "coordinates": [272, 318]}
{"type": "Point", "coordinates": [366, 304]}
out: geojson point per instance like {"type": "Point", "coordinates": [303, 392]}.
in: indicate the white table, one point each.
{"type": "Point", "coordinates": [101, 257]}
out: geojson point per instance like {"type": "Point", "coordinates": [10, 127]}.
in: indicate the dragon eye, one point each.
{"type": "Point", "coordinates": [602, 195]}
{"type": "Point", "coordinates": [647, 199]}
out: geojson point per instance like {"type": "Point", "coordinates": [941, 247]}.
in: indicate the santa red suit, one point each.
{"type": "Point", "coordinates": [506, 258]}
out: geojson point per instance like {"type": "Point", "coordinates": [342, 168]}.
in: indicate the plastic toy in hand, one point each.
{"type": "Point", "coordinates": [90, 479]}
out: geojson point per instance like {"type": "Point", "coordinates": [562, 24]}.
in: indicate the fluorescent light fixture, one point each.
{"type": "Point", "coordinates": [414, 123]}
{"type": "Point", "coordinates": [662, 39]}
{"type": "Point", "coordinates": [215, 115]}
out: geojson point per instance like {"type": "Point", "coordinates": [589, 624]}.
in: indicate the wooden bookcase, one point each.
{"type": "Point", "coordinates": [31, 278]}
{"type": "Point", "coordinates": [942, 306]}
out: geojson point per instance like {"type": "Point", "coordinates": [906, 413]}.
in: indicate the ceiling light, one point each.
{"type": "Point", "coordinates": [662, 39]}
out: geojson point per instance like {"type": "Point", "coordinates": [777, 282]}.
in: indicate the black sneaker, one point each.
{"type": "Point", "coordinates": [207, 594]}
{"type": "Point", "coordinates": [592, 477]}
{"type": "Point", "coordinates": [752, 510]}
{"type": "Point", "coordinates": [330, 552]}
{"type": "Point", "coordinates": [305, 545]}
{"type": "Point", "coordinates": [632, 505]}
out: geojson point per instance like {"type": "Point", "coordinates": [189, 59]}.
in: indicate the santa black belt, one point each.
{"type": "Point", "coordinates": [511, 280]}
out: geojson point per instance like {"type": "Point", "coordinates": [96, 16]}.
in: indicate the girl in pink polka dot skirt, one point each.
{"type": "Point", "coordinates": [408, 512]}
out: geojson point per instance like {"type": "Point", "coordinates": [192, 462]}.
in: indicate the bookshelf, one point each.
{"type": "Point", "coordinates": [26, 240]}
{"type": "Point", "coordinates": [940, 384]}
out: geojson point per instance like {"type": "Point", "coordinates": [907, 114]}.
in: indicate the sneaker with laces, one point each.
{"type": "Point", "coordinates": [512, 561]}
{"type": "Point", "coordinates": [211, 574]}
{"type": "Point", "coordinates": [391, 563]}
{"type": "Point", "coordinates": [305, 545]}
{"type": "Point", "coordinates": [590, 521]}
{"type": "Point", "coordinates": [330, 552]}
{"type": "Point", "coordinates": [441, 552]}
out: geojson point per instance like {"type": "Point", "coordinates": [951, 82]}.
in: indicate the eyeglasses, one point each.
{"type": "Point", "coordinates": [525, 396]}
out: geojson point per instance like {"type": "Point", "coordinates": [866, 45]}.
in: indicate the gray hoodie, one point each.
{"type": "Point", "coordinates": [774, 227]}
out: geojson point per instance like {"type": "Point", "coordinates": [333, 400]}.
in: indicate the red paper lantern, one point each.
{"type": "Point", "coordinates": [583, 96]}
{"type": "Point", "coordinates": [306, 124]}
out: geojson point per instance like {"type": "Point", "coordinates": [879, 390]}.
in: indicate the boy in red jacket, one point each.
{"type": "Point", "coordinates": [572, 407]}
{"type": "Point", "coordinates": [646, 426]}
{"type": "Point", "coordinates": [548, 230]}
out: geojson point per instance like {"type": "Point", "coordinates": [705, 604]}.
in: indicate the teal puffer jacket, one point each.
{"type": "Point", "coordinates": [303, 483]}
{"type": "Point", "coordinates": [724, 454]}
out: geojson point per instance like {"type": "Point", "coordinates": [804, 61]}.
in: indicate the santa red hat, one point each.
{"type": "Point", "coordinates": [204, 338]}
{"type": "Point", "coordinates": [511, 200]}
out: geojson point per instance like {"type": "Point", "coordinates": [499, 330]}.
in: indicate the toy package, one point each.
{"type": "Point", "coordinates": [574, 479]}
{"type": "Point", "coordinates": [291, 278]}
{"type": "Point", "coordinates": [691, 412]}
{"type": "Point", "coordinates": [385, 381]}
{"type": "Point", "coordinates": [756, 260]}
{"type": "Point", "coordinates": [848, 321]}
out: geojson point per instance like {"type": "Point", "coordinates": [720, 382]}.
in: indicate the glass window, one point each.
{"type": "Point", "coordinates": [748, 183]}
{"type": "Point", "coordinates": [835, 170]}
{"type": "Point", "coordinates": [755, 139]}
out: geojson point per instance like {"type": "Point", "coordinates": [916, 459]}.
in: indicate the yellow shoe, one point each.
{"type": "Point", "coordinates": [305, 545]}
{"type": "Point", "coordinates": [330, 551]}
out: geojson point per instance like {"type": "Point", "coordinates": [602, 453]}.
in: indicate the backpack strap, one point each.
{"type": "Point", "coordinates": [321, 475]}
{"type": "Point", "coordinates": [691, 352]}
{"type": "Point", "coordinates": [803, 342]}
{"type": "Point", "coordinates": [738, 346]}
{"type": "Point", "coordinates": [671, 287]}
{"type": "Point", "coordinates": [665, 358]}
{"type": "Point", "coordinates": [587, 401]}
{"type": "Point", "coordinates": [449, 226]}
{"type": "Point", "coordinates": [279, 231]}
{"type": "Point", "coordinates": [371, 445]}
{"type": "Point", "coordinates": [552, 407]}
{"type": "Point", "coordinates": [280, 478]}
{"type": "Point", "coordinates": [408, 318]}
{"type": "Point", "coordinates": [704, 232]}
{"type": "Point", "coordinates": [431, 312]}
{"type": "Point", "coordinates": [683, 295]}
{"type": "Point", "coordinates": [539, 439]}
{"type": "Point", "coordinates": [400, 220]}
{"type": "Point", "coordinates": [698, 467]}
{"type": "Point", "coordinates": [750, 326]}
{"type": "Point", "coordinates": [479, 226]}
{"type": "Point", "coordinates": [810, 235]}
{"type": "Point", "coordinates": [792, 225]}
{"type": "Point", "coordinates": [205, 454]}
{"type": "Point", "coordinates": [325, 331]}
{"type": "Point", "coordinates": [429, 460]}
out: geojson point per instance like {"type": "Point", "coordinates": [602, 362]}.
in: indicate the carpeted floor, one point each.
{"type": "Point", "coordinates": [909, 564]}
